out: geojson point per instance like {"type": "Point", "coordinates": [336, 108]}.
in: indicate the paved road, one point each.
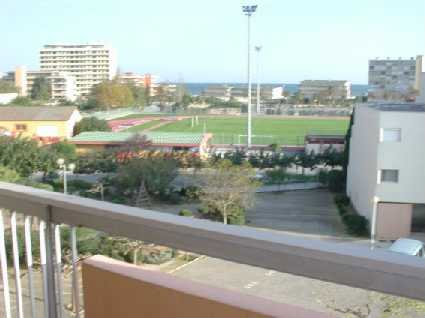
{"type": "Point", "coordinates": [305, 292]}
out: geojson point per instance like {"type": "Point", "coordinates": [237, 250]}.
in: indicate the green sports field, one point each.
{"type": "Point", "coordinates": [284, 131]}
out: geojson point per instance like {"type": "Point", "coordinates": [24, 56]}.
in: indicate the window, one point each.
{"type": "Point", "coordinates": [391, 134]}
{"type": "Point", "coordinates": [21, 127]}
{"type": "Point", "coordinates": [388, 175]}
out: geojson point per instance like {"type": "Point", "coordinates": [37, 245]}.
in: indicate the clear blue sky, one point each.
{"type": "Point", "coordinates": [205, 40]}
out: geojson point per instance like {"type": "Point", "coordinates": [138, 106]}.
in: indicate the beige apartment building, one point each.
{"type": "Point", "coordinates": [386, 171]}
{"type": "Point", "coordinates": [62, 85]}
{"type": "Point", "coordinates": [142, 80]}
{"type": "Point", "coordinates": [326, 89]}
{"type": "Point", "coordinates": [90, 64]}
{"type": "Point", "coordinates": [394, 79]}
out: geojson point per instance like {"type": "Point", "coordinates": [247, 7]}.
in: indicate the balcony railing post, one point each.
{"type": "Point", "coordinates": [47, 244]}
{"type": "Point", "coordinates": [3, 262]}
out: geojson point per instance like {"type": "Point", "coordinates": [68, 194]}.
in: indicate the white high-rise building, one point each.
{"type": "Point", "coordinates": [62, 85]}
{"type": "Point", "coordinates": [90, 64]}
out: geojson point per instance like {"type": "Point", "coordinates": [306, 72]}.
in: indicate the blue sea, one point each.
{"type": "Point", "coordinates": [197, 88]}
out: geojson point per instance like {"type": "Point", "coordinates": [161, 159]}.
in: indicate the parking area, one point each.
{"type": "Point", "coordinates": [339, 300]}
{"type": "Point", "coordinates": [310, 212]}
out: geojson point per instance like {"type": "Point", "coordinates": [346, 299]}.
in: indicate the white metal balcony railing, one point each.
{"type": "Point", "coordinates": [344, 264]}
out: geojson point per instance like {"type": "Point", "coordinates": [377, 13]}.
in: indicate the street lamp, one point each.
{"type": "Point", "coordinates": [70, 168]}
{"type": "Point", "coordinates": [249, 11]}
{"type": "Point", "coordinates": [74, 253]}
{"type": "Point", "coordinates": [258, 49]}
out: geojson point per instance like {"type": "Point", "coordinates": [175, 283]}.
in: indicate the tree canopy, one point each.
{"type": "Point", "coordinates": [91, 124]}
{"type": "Point", "coordinates": [110, 94]}
{"type": "Point", "coordinates": [7, 87]}
{"type": "Point", "coordinates": [229, 188]}
{"type": "Point", "coordinates": [41, 89]}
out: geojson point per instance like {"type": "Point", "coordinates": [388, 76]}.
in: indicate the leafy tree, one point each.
{"type": "Point", "coordinates": [307, 161]}
{"type": "Point", "coordinates": [155, 173]}
{"type": "Point", "coordinates": [20, 154]}
{"type": "Point", "coordinates": [21, 101]}
{"type": "Point", "coordinates": [91, 124]}
{"type": "Point", "coordinates": [347, 144]}
{"type": "Point", "coordinates": [332, 158]}
{"type": "Point", "coordinates": [229, 188]}
{"type": "Point", "coordinates": [112, 94]}
{"type": "Point", "coordinates": [7, 87]}
{"type": "Point", "coordinates": [41, 89]}
{"type": "Point", "coordinates": [9, 175]}
{"type": "Point", "coordinates": [139, 95]}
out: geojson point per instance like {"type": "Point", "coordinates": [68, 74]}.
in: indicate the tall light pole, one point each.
{"type": "Point", "coordinates": [258, 49]}
{"type": "Point", "coordinates": [248, 11]}
{"type": "Point", "coordinates": [74, 253]}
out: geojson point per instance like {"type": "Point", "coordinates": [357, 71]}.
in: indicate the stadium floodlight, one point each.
{"type": "Point", "coordinates": [258, 50]}
{"type": "Point", "coordinates": [248, 11]}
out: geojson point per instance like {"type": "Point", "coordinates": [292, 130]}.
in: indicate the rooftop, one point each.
{"type": "Point", "coordinates": [398, 107]}
{"type": "Point", "coordinates": [155, 137]}
{"type": "Point", "coordinates": [36, 113]}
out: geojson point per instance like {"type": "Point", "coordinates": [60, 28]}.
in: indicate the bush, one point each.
{"type": "Point", "coordinates": [336, 181]}
{"type": "Point", "coordinates": [191, 192]}
{"type": "Point", "coordinates": [323, 177]}
{"type": "Point", "coordinates": [78, 186]}
{"type": "Point", "coordinates": [186, 212]}
{"type": "Point", "coordinates": [342, 200]}
{"type": "Point", "coordinates": [356, 224]}
{"type": "Point", "coordinates": [236, 215]}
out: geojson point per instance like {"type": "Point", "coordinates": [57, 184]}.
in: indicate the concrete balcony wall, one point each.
{"type": "Point", "coordinates": [117, 289]}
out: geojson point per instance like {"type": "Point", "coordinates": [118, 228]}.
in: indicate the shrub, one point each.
{"type": "Point", "coordinates": [342, 210]}
{"type": "Point", "coordinates": [342, 200]}
{"type": "Point", "coordinates": [336, 181]}
{"type": "Point", "coordinates": [191, 192]}
{"type": "Point", "coordinates": [356, 224]}
{"type": "Point", "coordinates": [323, 177]}
{"type": "Point", "coordinates": [78, 185]}
{"type": "Point", "coordinates": [186, 212]}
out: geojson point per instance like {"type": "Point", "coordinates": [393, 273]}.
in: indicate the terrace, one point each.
{"type": "Point", "coordinates": [118, 290]}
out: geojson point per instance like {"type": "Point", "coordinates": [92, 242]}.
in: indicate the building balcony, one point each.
{"type": "Point", "coordinates": [115, 289]}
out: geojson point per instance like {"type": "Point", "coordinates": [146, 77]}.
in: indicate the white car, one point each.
{"type": "Point", "coordinates": [408, 247]}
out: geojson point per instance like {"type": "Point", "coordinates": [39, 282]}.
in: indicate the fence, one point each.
{"type": "Point", "coordinates": [340, 263]}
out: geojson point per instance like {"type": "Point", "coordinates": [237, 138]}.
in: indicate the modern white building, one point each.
{"type": "Point", "coordinates": [393, 79]}
{"type": "Point", "coordinates": [386, 171]}
{"type": "Point", "coordinates": [90, 64]}
{"type": "Point", "coordinates": [62, 85]}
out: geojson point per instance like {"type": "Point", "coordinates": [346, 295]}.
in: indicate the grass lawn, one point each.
{"type": "Point", "coordinates": [143, 126]}
{"type": "Point", "coordinates": [288, 131]}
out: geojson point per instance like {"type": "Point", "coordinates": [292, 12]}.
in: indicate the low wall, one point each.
{"type": "Point", "coordinates": [116, 289]}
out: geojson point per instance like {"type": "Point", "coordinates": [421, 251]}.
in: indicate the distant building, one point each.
{"type": "Point", "coordinates": [222, 92]}
{"type": "Point", "coordinates": [97, 141]}
{"type": "Point", "coordinates": [240, 92]}
{"type": "Point", "coordinates": [313, 89]}
{"type": "Point", "coordinates": [386, 171]}
{"type": "Point", "coordinates": [394, 79]}
{"type": "Point", "coordinates": [225, 111]}
{"type": "Point", "coordinates": [43, 123]}
{"type": "Point", "coordinates": [90, 64]}
{"type": "Point", "coordinates": [62, 85]}
{"type": "Point", "coordinates": [141, 80]}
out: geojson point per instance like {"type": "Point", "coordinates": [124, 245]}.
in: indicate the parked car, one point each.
{"type": "Point", "coordinates": [408, 247]}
